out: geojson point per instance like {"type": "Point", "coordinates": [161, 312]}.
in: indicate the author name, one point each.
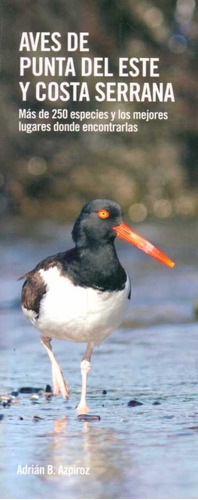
{"type": "Point", "coordinates": [61, 470]}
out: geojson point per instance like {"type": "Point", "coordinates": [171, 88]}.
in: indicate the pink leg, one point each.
{"type": "Point", "coordinates": [85, 367]}
{"type": "Point", "coordinates": [59, 384]}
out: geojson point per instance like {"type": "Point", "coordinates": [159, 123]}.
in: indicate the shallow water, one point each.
{"type": "Point", "coordinates": [147, 451]}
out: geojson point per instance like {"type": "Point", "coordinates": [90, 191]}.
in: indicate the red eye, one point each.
{"type": "Point", "coordinates": [103, 214]}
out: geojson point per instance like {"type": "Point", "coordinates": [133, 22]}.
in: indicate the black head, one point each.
{"type": "Point", "coordinates": [94, 225]}
{"type": "Point", "coordinates": [100, 221]}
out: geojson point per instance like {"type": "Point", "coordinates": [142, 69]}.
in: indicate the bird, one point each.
{"type": "Point", "coordinates": [80, 295]}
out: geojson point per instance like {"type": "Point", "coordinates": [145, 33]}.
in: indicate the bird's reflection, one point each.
{"type": "Point", "coordinates": [60, 425]}
{"type": "Point", "coordinates": [83, 457]}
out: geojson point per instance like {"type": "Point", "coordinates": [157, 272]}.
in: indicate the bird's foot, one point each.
{"type": "Point", "coordinates": [82, 410]}
{"type": "Point", "coordinates": [63, 390]}
{"type": "Point", "coordinates": [59, 384]}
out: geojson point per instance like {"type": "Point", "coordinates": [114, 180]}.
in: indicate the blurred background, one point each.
{"type": "Point", "coordinates": [152, 173]}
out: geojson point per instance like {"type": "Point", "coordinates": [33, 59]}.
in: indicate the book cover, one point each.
{"type": "Point", "coordinates": [98, 102]}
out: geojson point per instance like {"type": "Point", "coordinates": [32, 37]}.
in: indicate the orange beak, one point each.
{"type": "Point", "coordinates": [126, 233]}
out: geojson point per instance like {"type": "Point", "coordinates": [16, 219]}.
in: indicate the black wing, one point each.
{"type": "Point", "coordinates": [34, 286]}
{"type": "Point", "coordinates": [32, 291]}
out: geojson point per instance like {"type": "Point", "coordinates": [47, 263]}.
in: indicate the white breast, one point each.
{"type": "Point", "coordinates": [78, 314]}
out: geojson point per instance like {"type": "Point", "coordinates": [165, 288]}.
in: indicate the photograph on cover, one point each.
{"type": "Point", "coordinates": [99, 282]}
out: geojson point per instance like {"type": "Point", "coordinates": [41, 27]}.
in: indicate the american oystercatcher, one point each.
{"type": "Point", "coordinates": [80, 295]}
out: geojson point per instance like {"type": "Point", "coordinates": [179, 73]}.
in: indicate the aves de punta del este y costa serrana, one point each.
{"type": "Point", "coordinates": [80, 294]}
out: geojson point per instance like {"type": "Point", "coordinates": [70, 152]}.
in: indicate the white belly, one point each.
{"type": "Point", "coordinates": [78, 314]}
